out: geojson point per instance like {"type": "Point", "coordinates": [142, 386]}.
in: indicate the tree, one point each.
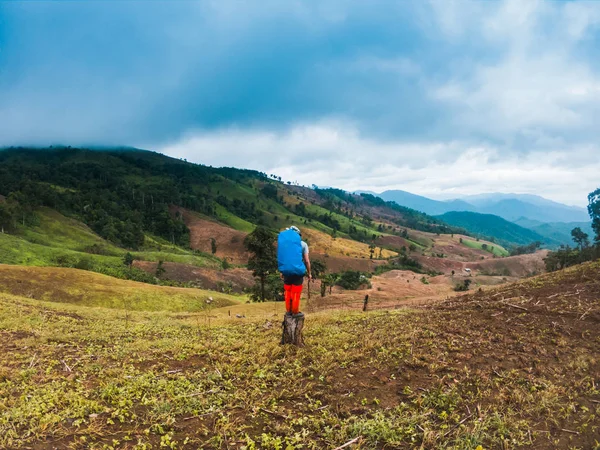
{"type": "Point", "coordinates": [580, 238]}
{"type": "Point", "coordinates": [371, 250]}
{"type": "Point", "coordinates": [594, 211]}
{"type": "Point", "coordinates": [6, 216]}
{"type": "Point", "coordinates": [213, 245]}
{"type": "Point", "coordinates": [263, 260]}
{"type": "Point", "coordinates": [329, 280]}
{"type": "Point", "coordinates": [317, 268]}
{"type": "Point", "coordinates": [464, 286]}
{"type": "Point", "coordinates": [270, 191]}
{"type": "Point", "coordinates": [128, 260]}
{"type": "Point", "coordinates": [160, 270]}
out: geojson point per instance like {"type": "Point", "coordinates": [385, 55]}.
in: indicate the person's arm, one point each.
{"type": "Point", "coordinates": [307, 263]}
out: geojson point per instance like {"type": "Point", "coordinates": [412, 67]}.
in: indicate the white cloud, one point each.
{"type": "Point", "coordinates": [538, 79]}
{"type": "Point", "coordinates": [334, 154]}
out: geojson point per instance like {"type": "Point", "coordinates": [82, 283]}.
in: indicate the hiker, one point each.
{"type": "Point", "coordinates": [293, 263]}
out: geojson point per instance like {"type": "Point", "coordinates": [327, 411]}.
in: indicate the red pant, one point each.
{"type": "Point", "coordinates": [292, 298]}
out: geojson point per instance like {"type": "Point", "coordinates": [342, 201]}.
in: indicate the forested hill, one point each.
{"type": "Point", "coordinates": [124, 195]}
{"type": "Point", "coordinates": [504, 232]}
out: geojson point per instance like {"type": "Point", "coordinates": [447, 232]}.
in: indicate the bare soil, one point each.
{"type": "Point", "coordinates": [230, 242]}
{"type": "Point", "coordinates": [515, 266]}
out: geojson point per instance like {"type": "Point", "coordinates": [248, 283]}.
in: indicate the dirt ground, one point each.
{"type": "Point", "coordinates": [230, 242]}
{"type": "Point", "coordinates": [512, 266]}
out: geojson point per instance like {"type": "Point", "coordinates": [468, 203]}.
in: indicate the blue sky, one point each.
{"type": "Point", "coordinates": [441, 98]}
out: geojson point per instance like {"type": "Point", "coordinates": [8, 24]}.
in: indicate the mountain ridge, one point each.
{"type": "Point", "coordinates": [511, 207]}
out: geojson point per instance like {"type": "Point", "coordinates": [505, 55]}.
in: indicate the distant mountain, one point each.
{"type": "Point", "coordinates": [558, 231]}
{"type": "Point", "coordinates": [508, 206]}
{"type": "Point", "coordinates": [516, 206]}
{"type": "Point", "coordinates": [505, 232]}
{"type": "Point", "coordinates": [424, 204]}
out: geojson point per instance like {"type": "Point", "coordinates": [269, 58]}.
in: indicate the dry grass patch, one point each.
{"type": "Point", "coordinates": [91, 289]}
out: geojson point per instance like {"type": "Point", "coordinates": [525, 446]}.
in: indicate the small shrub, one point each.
{"type": "Point", "coordinates": [353, 280]}
{"type": "Point", "coordinates": [462, 287]}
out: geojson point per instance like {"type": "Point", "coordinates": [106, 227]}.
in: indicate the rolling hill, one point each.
{"type": "Point", "coordinates": [558, 231]}
{"type": "Point", "coordinates": [123, 195]}
{"type": "Point", "coordinates": [85, 209]}
{"type": "Point", "coordinates": [502, 230]}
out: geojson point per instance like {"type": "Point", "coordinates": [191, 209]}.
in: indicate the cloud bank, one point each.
{"type": "Point", "coordinates": [440, 98]}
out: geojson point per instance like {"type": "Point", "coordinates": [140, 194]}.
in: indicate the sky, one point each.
{"type": "Point", "coordinates": [440, 98]}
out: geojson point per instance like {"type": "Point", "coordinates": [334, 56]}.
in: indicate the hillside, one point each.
{"type": "Point", "coordinates": [86, 209]}
{"type": "Point", "coordinates": [426, 377]}
{"type": "Point", "coordinates": [123, 194]}
{"type": "Point", "coordinates": [502, 230]}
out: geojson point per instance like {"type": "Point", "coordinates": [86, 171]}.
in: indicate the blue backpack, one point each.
{"type": "Point", "coordinates": [289, 253]}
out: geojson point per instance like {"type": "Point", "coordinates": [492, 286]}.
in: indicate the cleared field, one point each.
{"type": "Point", "coordinates": [511, 266]}
{"type": "Point", "coordinates": [514, 367]}
{"type": "Point", "coordinates": [229, 241]}
{"type": "Point", "coordinates": [322, 243]}
{"type": "Point", "coordinates": [236, 279]}
{"type": "Point", "coordinates": [85, 288]}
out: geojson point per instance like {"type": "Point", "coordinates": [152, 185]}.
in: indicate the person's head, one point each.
{"type": "Point", "coordinates": [296, 229]}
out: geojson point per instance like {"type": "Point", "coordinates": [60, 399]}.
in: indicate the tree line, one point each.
{"type": "Point", "coordinates": [585, 248]}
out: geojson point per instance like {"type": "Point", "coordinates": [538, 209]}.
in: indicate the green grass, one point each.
{"type": "Point", "coordinates": [234, 221]}
{"type": "Point", "coordinates": [497, 250]}
{"type": "Point", "coordinates": [56, 230]}
{"type": "Point", "coordinates": [57, 240]}
{"type": "Point", "coordinates": [191, 258]}
{"type": "Point", "coordinates": [15, 250]}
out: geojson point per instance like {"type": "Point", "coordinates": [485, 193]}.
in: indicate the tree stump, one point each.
{"type": "Point", "coordinates": [292, 329]}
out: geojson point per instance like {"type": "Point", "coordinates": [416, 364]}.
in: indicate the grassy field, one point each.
{"type": "Point", "coordinates": [514, 367]}
{"type": "Point", "coordinates": [61, 241]}
{"type": "Point", "coordinates": [56, 230]}
{"type": "Point", "coordinates": [494, 249]}
{"type": "Point", "coordinates": [234, 221]}
{"type": "Point", "coordinates": [85, 288]}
